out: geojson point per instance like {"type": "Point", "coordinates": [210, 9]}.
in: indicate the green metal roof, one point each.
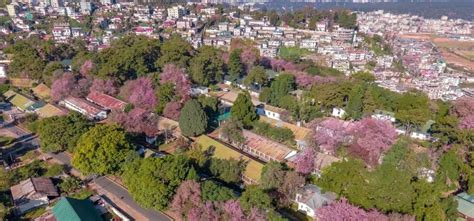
{"type": "Point", "coordinates": [70, 209]}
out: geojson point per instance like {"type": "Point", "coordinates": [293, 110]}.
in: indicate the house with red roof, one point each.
{"type": "Point", "coordinates": [106, 101]}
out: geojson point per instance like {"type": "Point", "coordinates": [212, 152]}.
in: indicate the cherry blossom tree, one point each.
{"type": "Point", "coordinates": [249, 56]}
{"type": "Point", "coordinates": [306, 81]}
{"type": "Point", "coordinates": [233, 210]}
{"type": "Point", "coordinates": [342, 210]}
{"type": "Point", "coordinates": [464, 109]}
{"type": "Point", "coordinates": [282, 65]}
{"type": "Point", "coordinates": [173, 74]}
{"type": "Point", "coordinates": [105, 86]}
{"type": "Point", "coordinates": [256, 215]}
{"type": "Point", "coordinates": [371, 138]}
{"type": "Point", "coordinates": [172, 110]}
{"type": "Point", "coordinates": [69, 85]}
{"type": "Point", "coordinates": [137, 121]}
{"type": "Point", "coordinates": [188, 196]}
{"type": "Point", "coordinates": [305, 161]}
{"type": "Point", "coordinates": [86, 67]}
{"type": "Point", "coordinates": [140, 93]}
{"type": "Point", "coordinates": [329, 134]}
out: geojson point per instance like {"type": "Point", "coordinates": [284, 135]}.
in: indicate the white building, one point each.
{"type": "Point", "coordinates": [12, 10]}
{"type": "Point", "coordinates": [338, 112]}
{"type": "Point", "coordinates": [175, 12]}
{"type": "Point", "coordinates": [310, 198]}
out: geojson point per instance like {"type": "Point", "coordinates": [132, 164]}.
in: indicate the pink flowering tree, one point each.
{"type": "Point", "coordinates": [140, 93]}
{"type": "Point", "coordinates": [329, 134]}
{"type": "Point", "coordinates": [172, 110]}
{"type": "Point", "coordinates": [188, 196]}
{"type": "Point", "coordinates": [105, 86]}
{"type": "Point", "coordinates": [68, 85]}
{"type": "Point", "coordinates": [137, 121]}
{"type": "Point", "coordinates": [86, 67]}
{"type": "Point", "coordinates": [249, 57]}
{"type": "Point", "coordinates": [205, 212]}
{"type": "Point", "coordinates": [282, 65]}
{"type": "Point", "coordinates": [233, 210]}
{"type": "Point", "coordinates": [175, 75]}
{"type": "Point", "coordinates": [371, 138]}
{"type": "Point", "coordinates": [464, 110]}
{"type": "Point", "coordinates": [342, 210]}
{"type": "Point", "coordinates": [305, 161]}
{"type": "Point", "coordinates": [305, 80]}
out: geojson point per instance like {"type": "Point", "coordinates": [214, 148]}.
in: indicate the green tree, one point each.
{"type": "Point", "coordinates": [61, 133]}
{"type": "Point", "coordinates": [165, 94]}
{"type": "Point", "coordinates": [355, 104]}
{"type": "Point", "coordinates": [235, 66]}
{"type": "Point", "coordinates": [413, 109]}
{"type": "Point", "coordinates": [362, 76]}
{"type": "Point", "coordinates": [272, 176]}
{"type": "Point", "coordinates": [243, 109]}
{"type": "Point", "coordinates": [152, 182]}
{"type": "Point", "coordinates": [256, 75]}
{"type": "Point", "coordinates": [229, 171]}
{"type": "Point", "coordinates": [192, 119]}
{"type": "Point", "coordinates": [210, 191]}
{"type": "Point", "coordinates": [128, 58]}
{"type": "Point", "coordinates": [255, 197]}
{"type": "Point", "coordinates": [102, 150]}
{"type": "Point", "coordinates": [206, 67]}
{"type": "Point", "coordinates": [283, 85]}
{"type": "Point", "coordinates": [265, 94]}
{"type": "Point", "coordinates": [70, 184]}
{"type": "Point", "coordinates": [210, 105]}
{"type": "Point", "coordinates": [175, 51]}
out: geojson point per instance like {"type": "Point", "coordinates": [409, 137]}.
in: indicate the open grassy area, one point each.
{"type": "Point", "coordinates": [254, 168]}
{"type": "Point", "coordinates": [4, 141]}
{"type": "Point", "coordinates": [292, 53]}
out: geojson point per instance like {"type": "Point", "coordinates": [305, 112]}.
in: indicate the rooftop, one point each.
{"type": "Point", "coordinates": [33, 188]}
{"type": "Point", "coordinates": [70, 209]}
{"type": "Point", "coordinates": [90, 108]}
{"type": "Point", "coordinates": [274, 150]}
{"type": "Point", "coordinates": [42, 91]}
{"type": "Point", "coordinates": [106, 101]}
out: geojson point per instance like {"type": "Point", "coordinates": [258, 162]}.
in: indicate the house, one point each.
{"type": "Point", "coordinates": [84, 107]}
{"type": "Point", "coordinates": [33, 193]}
{"type": "Point", "coordinates": [106, 101]}
{"type": "Point", "coordinates": [338, 112]}
{"type": "Point", "coordinates": [465, 205]}
{"type": "Point", "coordinates": [70, 209]}
{"type": "Point", "coordinates": [384, 115]}
{"type": "Point", "coordinates": [270, 111]}
{"type": "Point", "coordinates": [310, 198]}
{"type": "Point", "coordinates": [265, 149]}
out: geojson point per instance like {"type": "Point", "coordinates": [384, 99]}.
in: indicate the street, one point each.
{"type": "Point", "coordinates": [116, 193]}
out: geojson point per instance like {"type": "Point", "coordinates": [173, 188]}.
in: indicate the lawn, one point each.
{"type": "Point", "coordinates": [254, 168]}
{"type": "Point", "coordinates": [4, 141]}
{"type": "Point", "coordinates": [292, 53]}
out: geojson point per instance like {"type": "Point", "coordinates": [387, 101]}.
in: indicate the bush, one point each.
{"type": "Point", "coordinates": [282, 135]}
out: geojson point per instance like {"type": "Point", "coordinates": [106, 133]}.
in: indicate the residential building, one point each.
{"type": "Point", "coordinates": [12, 10]}
{"type": "Point", "coordinates": [106, 101]}
{"type": "Point", "coordinates": [176, 12]}
{"type": "Point", "coordinates": [57, 3]}
{"type": "Point", "coordinates": [465, 205]}
{"type": "Point", "coordinates": [84, 107]}
{"type": "Point", "coordinates": [33, 193]}
{"type": "Point", "coordinates": [265, 149]}
{"type": "Point", "coordinates": [272, 112]}
{"type": "Point", "coordinates": [311, 197]}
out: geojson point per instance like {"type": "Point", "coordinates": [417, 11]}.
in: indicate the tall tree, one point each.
{"type": "Point", "coordinates": [257, 76]}
{"type": "Point", "coordinates": [235, 66]}
{"type": "Point", "coordinates": [60, 133]}
{"type": "Point", "coordinates": [152, 182]}
{"type": "Point", "coordinates": [243, 109]}
{"type": "Point", "coordinates": [206, 67]}
{"type": "Point", "coordinates": [371, 139]}
{"type": "Point", "coordinates": [255, 197]}
{"type": "Point", "coordinates": [413, 110]}
{"type": "Point", "coordinates": [273, 175]}
{"type": "Point", "coordinates": [102, 150]}
{"type": "Point", "coordinates": [355, 104]}
{"type": "Point", "coordinates": [175, 51]}
{"type": "Point", "coordinates": [188, 196]}
{"type": "Point", "coordinates": [192, 119]}
{"type": "Point", "coordinates": [140, 93]}
{"type": "Point", "coordinates": [283, 85]}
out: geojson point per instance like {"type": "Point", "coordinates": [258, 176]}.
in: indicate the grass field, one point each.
{"type": "Point", "coordinates": [254, 168]}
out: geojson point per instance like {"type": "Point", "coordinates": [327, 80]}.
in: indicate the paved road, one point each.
{"type": "Point", "coordinates": [113, 190]}
{"type": "Point", "coordinates": [117, 194]}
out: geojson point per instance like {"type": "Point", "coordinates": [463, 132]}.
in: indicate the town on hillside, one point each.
{"type": "Point", "coordinates": [204, 111]}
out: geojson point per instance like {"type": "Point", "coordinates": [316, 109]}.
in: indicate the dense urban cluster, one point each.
{"type": "Point", "coordinates": [209, 112]}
